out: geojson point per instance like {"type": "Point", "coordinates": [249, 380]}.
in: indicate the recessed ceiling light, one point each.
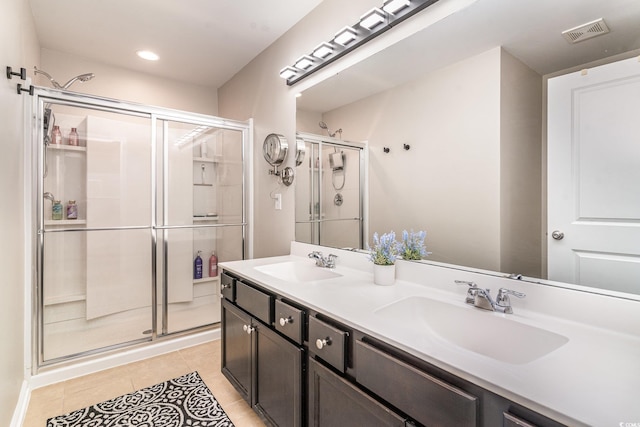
{"type": "Point", "coordinates": [148, 55]}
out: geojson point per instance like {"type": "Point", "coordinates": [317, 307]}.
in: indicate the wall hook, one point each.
{"type": "Point", "coordinates": [386, 149]}
{"type": "Point", "coordinates": [20, 89]}
{"type": "Point", "coordinates": [22, 73]}
{"type": "Point", "coordinates": [406, 146]}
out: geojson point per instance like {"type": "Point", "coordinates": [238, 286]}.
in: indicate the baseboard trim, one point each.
{"type": "Point", "coordinates": [20, 411]}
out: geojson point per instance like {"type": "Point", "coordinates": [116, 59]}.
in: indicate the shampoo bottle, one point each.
{"type": "Point", "coordinates": [213, 265]}
{"type": "Point", "coordinates": [197, 267]}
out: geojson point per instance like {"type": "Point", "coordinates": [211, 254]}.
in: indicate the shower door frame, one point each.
{"type": "Point", "coordinates": [35, 153]}
{"type": "Point", "coordinates": [363, 148]}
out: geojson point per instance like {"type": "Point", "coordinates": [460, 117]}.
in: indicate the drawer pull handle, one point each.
{"type": "Point", "coordinates": [248, 329]}
{"type": "Point", "coordinates": [284, 321]}
{"type": "Point", "coordinates": [323, 343]}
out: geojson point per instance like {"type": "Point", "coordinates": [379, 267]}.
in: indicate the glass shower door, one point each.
{"type": "Point", "coordinates": [329, 196]}
{"type": "Point", "coordinates": [201, 218]}
{"type": "Point", "coordinates": [95, 230]}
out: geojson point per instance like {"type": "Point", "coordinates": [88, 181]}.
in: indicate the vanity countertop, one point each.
{"type": "Point", "coordinates": [592, 380]}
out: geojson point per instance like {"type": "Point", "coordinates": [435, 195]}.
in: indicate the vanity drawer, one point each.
{"type": "Point", "coordinates": [425, 398]}
{"type": "Point", "coordinates": [328, 343]}
{"type": "Point", "coordinates": [511, 420]}
{"type": "Point", "coordinates": [289, 321]}
{"type": "Point", "coordinates": [228, 287]}
{"type": "Point", "coordinates": [257, 303]}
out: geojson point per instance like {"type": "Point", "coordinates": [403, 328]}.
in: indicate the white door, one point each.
{"type": "Point", "coordinates": [594, 177]}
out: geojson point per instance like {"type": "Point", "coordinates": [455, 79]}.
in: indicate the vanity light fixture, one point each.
{"type": "Point", "coordinates": [346, 36]}
{"type": "Point", "coordinates": [288, 72]}
{"type": "Point", "coordinates": [395, 6]}
{"type": "Point", "coordinates": [373, 23]}
{"type": "Point", "coordinates": [148, 55]}
{"type": "Point", "coordinates": [322, 50]}
{"type": "Point", "coordinates": [373, 18]}
{"type": "Point", "coordinates": [304, 62]}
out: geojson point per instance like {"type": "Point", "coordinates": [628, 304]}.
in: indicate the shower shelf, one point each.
{"type": "Point", "coordinates": [64, 299]}
{"type": "Point", "coordinates": [67, 148]}
{"type": "Point", "coordinates": [215, 159]}
{"type": "Point", "coordinates": [66, 222]}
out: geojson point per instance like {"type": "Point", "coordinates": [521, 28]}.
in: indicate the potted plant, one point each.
{"type": "Point", "coordinates": [383, 255]}
{"type": "Point", "coordinates": [412, 246]}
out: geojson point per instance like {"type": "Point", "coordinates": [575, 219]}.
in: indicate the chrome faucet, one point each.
{"type": "Point", "coordinates": [481, 298]}
{"type": "Point", "coordinates": [328, 262]}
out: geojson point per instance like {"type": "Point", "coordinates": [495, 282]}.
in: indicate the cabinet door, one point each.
{"type": "Point", "coordinates": [279, 378]}
{"type": "Point", "coordinates": [335, 402]}
{"type": "Point", "coordinates": [237, 347]}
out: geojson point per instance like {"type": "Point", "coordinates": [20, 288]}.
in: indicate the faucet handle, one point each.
{"type": "Point", "coordinates": [503, 300]}
{"type": "Point", "coordinates": [464, 282]}
{"type": "Point", "coordinates": [331, 260]}
{"type": "Point", "coordinates": [503, 294]}
{"type": "Point", "coordinates": [471, 292]}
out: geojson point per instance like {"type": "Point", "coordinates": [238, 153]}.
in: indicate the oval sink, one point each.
{"type": "Point", "coordinates": [484, 332]}
{"type": "Point", "coordinates": [291, 271]}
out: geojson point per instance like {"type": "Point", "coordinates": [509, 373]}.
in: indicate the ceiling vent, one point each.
{"type": "Point", "coordinates": [586, 31]}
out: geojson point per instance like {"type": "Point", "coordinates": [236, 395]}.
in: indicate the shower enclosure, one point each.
{"type": "Point", "coordinates": [121, 213]}
{"type": "Point", "coordinates": [330, 192]}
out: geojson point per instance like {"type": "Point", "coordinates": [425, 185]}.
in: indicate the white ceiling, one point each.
{"type": "Point", "coordinates": [204, 42]}
{"type": "Point", "coordinates": [528, 29]}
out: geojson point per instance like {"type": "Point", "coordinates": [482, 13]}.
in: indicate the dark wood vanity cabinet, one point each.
{"type": "Point", "coordinates": [298, 367]}
{"type": "Point", "coordinates": [334, 401]}
{"type": "Point", "coordinates": [262, 365]}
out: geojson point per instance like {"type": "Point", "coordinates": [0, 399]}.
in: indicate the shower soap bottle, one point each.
{"type": "Point", "coordinates": [213, 265]}
{"type": "Point", "coordinates": [56, 210]}
{"type": "Point", "coordinates": [73, 137]}
{"type": "Point", "coordinates": [72, 210]}
{"type": "Point", "coordinates": [56, 136]}
{"type": "Point", "coordinates": [197, 267]}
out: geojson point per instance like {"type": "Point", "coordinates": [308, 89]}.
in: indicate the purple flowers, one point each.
{"type": "Point", "coordinates": [385, 249]}
{"type": "Point", "coordinates": [413, 247]}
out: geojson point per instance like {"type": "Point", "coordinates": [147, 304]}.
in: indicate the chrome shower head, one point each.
{"type": "Point", "coordinates": [82, 78]}
{"type": "Point", "coordinates": [47, 75]}
{"type": "Point", "coordinates": [47, 195]}
{"type": "Point", "coordinates": [324, 126]}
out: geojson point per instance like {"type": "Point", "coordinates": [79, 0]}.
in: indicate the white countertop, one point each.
{"type": "Point", "coordinates": [592, 380]}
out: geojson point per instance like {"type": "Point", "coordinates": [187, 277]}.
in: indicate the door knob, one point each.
{"type": "Point", "coordinates": [248, 329]}
{"type": "Point", "coordinates": [557, 235]}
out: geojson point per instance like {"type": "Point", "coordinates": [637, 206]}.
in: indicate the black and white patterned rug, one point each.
{"type": "Point", "coordinates": [183, 401]}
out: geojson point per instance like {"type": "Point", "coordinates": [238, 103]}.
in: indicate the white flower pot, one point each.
{"type": "Point", "coordinates": [384, 275]}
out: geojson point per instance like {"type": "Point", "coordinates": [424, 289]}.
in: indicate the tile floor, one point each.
{"type": "Point", "coordinates": [77, 393]}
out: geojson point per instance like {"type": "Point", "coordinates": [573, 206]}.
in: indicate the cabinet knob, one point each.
{"type": "Point", "coordinates": [248, 329]}
{"type": "Point", "coordinates": [224, 286]}
{"type": "Point", "coordinates": [285, 320]}
{"type": "Point", "coordinates": [321, 343]}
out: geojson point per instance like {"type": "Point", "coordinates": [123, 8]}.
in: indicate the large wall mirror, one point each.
{"type": "Point", "coordinates": [467, 95]}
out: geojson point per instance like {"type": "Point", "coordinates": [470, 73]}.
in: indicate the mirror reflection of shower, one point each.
{"type": "Point", "coordinates": [81, 78]}
{"type": "Point", "coordinates": [324, 126]}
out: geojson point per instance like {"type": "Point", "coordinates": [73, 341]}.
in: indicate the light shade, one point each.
{"type": "Point", "coordinates": [322, 50]}
{"type": "Point", "coordinates": [394, 6]}
{"type": "Point", "coordinates": [345, 36]}
{"type": "Point", "coordinates": [288, 72]}
{"type": "Point", "coordinates": [372, 19]}
{"type": "Point", "coordinates": [304, 62]}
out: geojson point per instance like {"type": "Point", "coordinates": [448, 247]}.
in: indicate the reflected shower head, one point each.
{"type": "Point", "coordinates": [324, 126]}
{"type": "Point", "coordinates": [82, 78]}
